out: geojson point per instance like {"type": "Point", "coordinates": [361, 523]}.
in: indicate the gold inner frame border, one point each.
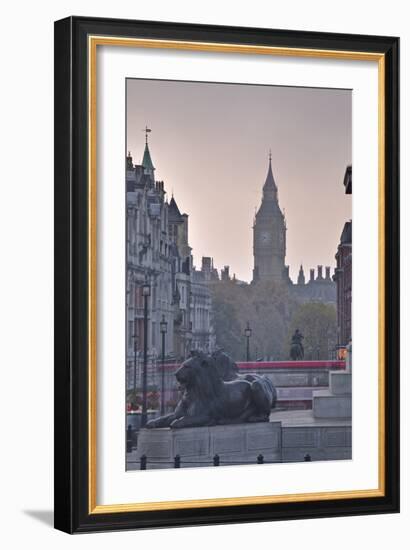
{"type": "Point", "coordinates": [93, 43]}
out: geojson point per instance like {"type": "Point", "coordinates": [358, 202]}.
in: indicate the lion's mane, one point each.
{"type": "Point", "coordinates": [203, 392]}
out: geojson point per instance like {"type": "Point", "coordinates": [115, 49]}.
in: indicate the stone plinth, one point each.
{"type": "Point", "coordinates": [336, 402]}
{"type": "Point", "coordinates": [198, 446]}
{"type": "Point", "coordinates": [319, 442]}
{"type": "Point", "coordinates": [321, 439]}
{"type": "Point", "coordinates": [328, 405]}
{"type": "Point", "coordinates": [340, 383]}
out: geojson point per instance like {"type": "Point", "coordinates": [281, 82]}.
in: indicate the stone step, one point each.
{"type": "Point", "coordinates": [328, 405]}
{"type": "Point", "coordinates": [340, 383]}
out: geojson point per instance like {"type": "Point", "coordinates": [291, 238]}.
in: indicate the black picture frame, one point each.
{"type": "Point", "coordinates": [72, 466]}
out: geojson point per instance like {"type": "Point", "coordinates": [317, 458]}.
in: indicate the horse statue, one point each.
{"type": "Point", "coordinates": [207, 399]}
{"type": "Point", "coordinates": [297, 351]}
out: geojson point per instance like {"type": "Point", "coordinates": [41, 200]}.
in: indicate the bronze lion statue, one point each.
{"type": "Point", "coordinates": [228, 370]}
{"type": "Point", "coordinates": [208, 399]}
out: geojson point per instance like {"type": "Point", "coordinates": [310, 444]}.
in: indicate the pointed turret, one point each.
{"type": "Point", "coordinates": [147, 163]}
{"type": "Point", "coordinates": [146, 159]}
{"type": "Point", "coordinates": [270, 189]}
{"type": "Point", "coordinates": [301, 276]}
{"type": "Point", "coordinates": [174, 214]}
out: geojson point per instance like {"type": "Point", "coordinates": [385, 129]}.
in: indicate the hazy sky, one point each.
{"type": "Point", "coordinates": [210, 145]}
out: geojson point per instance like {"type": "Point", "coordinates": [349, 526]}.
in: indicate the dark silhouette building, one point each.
{"type": "Point", "coordinates": [269, 251]}
{"type": "Point", "coordinates": [269, 235]}
{"type": "Point", "coordinates": [343, 276]}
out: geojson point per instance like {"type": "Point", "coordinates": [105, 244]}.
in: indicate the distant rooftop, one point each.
{"type": "Point", "coordinates": [347, 180]}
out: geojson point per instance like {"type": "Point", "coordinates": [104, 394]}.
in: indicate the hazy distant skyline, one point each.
{"type": "Point", "coordinates": [210, 144]}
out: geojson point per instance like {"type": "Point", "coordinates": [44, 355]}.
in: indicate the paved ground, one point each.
{"type": "Point", "coordinates": [131, 461]}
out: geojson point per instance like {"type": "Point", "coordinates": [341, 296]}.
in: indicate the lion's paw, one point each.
{"type": "Point", "coordinates": [178, 423]}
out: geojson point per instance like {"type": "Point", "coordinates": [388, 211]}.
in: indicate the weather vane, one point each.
{"type": "Point", "coordinates": [146, 130]}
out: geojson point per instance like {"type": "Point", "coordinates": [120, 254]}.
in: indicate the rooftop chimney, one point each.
{"type": "Point", "coordinates": [206, 263]}
{"type": "Point", "coordinates": [225, 273]}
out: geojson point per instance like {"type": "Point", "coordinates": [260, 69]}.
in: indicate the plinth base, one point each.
{"type": "Point", "coordinates": [234, 444]}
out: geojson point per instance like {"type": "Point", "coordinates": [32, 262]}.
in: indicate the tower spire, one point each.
{"type": "Point", "coordinates": [269, 235]}
{"type": "Point", "coordinates": [269, 189]}
{"type": "Point", "coordinates": [146, 159]}
{"type": "Point", "coordinates": [301, 276]}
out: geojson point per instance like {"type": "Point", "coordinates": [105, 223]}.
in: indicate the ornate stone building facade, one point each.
{"type": "Point", "coordinates": [159, 255]}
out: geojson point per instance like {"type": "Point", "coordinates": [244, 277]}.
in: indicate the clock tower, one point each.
{"type": "Point", "coordinates": [269, 235]}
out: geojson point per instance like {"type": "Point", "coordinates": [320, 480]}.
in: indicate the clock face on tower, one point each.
{"type": "Point", "coordinates": [264, 237]}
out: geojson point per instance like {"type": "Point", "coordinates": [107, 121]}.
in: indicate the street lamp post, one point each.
{"type": "Point", "coordinates": [188, 340]}
{"type": "Point", "coordinates": [248, 334]}
{"type": "Point", "coordinates": [135, 356]}
{"type": "Point", "coordinates": [163, 328]}
{"type": "Point", "coordinates": [146, 292]}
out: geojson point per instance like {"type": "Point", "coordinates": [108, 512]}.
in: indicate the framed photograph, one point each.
{"type": "Point", "coordinates": [226, 296]}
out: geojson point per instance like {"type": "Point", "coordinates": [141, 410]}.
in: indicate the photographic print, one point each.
{"type": "Point", "coordinates": [205, 371]}
{"type": "Point", "coordinates": [238, 274]}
